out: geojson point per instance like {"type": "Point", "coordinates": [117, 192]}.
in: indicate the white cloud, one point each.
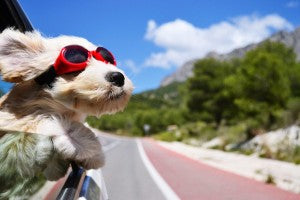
{"type": "Point", "coordinates": [130, 64]}
{"type": "Point", "coordinates": [183, 41]}
{"type": "Point", "coordinates": [292, 4]}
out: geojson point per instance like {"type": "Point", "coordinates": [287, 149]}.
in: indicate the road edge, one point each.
{"type": "Point", "coordinates": [160, 182]}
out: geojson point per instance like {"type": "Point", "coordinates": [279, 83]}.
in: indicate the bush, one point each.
{"type": "Point", "coordinates": [166, 136]}
{"type": "Point", "coordinates": [285, 151]}
{"type": "Point", "coordinates": [199, 130]}
{"type": "Point", "coordinates": [291, 114]}
{"type": "Point", "coordinates": [133, 123]}
{"type": "Point", "coordinates": [233, 134]}
{"type": "Point", "coordinates": [270, 179]}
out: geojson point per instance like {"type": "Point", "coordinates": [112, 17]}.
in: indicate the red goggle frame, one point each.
{"type": "Point", "coordinates": [75, 58]}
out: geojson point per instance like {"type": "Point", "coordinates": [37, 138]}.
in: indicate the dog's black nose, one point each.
{"type": "Point", "coordinates": [116, 78]}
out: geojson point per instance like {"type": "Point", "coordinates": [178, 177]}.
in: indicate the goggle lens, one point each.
{"type": "Point", "coordinates": [76, 55]}
{"type": "Point", "coordinates": [106, 55]}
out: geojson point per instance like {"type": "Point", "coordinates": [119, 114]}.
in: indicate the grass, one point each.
{"type": "Point", "coordinates": [166, 136]}
{"type": "Point", "coordinates": [270, 180]}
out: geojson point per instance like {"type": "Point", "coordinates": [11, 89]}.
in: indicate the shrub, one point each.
{"type": "Point", "coordinates": [270, 179]}
{"type": "Point", "coordinates": [166, 136]}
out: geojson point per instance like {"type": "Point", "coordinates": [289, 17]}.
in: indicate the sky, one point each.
{"type": "Point", "coordinates": [150, 39]}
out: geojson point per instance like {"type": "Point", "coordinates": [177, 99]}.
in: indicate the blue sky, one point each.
{"type": "Point", "coordinates": [150, 39]}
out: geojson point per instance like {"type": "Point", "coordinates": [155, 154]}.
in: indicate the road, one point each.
{"type": "Point", "coordinates": [125, 174]}
{"type": "Point", "coordinates": [141, 169]}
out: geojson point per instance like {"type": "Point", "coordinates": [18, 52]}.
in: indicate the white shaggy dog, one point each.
{"type": "Point", "coordinates": [56, 112]}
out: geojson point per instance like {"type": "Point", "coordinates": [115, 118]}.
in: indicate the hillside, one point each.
{"type": "Point", "coordinates": [290, 39]}
{"type": "Point", "coordinates": [224, 99]}
{"type": "Point", "coordinates": [158, 107]}
{"type": "Point", "coordinates": [167, 96]}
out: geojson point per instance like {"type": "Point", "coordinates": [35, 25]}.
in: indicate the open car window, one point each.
{"type": "Point", "coordinates": [12, 15]}
{"type": "Point", "coordinates": [22, 154]}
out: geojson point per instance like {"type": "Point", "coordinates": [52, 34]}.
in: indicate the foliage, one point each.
{"type": "Point", "coordinates": [262, 74]}
{"type": "Point", "coordinates": [157, 108]}
{"type": "Point", "coordinates": [292, 113]}
{"type": "Point", "coordinates": [231, 99]}
{"type": "Point", "coordinates": [285, 152]}
{"type": "Point", "coordinates": [270, 179]}
{"type": "Point", "coordinates": [254, 90]}
{"type": "Point", "coordinates": [207, 98]}
{"type": "Point", "coordinates": [198, 130]}
{"type": "Point", "coordinates": [166, 136]}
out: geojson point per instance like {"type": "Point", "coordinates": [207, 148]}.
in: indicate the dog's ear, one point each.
{"type": "Point", "coordinates": [19, 53]}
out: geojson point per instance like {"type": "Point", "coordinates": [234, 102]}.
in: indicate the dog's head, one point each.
{"type": "Point", "coordinates": [100, 88]}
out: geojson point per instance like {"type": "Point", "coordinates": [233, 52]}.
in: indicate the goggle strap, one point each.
{"type": "Point", "coordinates": [47, 77]}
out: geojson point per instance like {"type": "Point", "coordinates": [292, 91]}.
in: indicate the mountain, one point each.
{"type": "Point", "coordinates": [290, 39]}
{"type": "Point", "coordinates": [181, 74]}
{"type": "Point", "coordinates": [162, 97]}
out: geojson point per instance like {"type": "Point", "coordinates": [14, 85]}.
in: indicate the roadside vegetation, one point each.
{"type": "Point", "coordinates": [231, 100]}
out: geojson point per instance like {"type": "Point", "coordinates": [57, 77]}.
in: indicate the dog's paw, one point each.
{"type": "Point", "coordinates": [85, 152]}
{"type": "Point", "coordinates": [94, 162]}
{"type": "Point", "coordinates": [76, 148]}
{"type": "Point", "coordinates": [64, 146]}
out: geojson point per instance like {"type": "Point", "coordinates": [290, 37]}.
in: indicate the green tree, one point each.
{"type": "Point", "coordinates": [294, 77]}
{"type": "Point", "coordinates": [262, 83]}
{"type": "Point", "coordinates": [207, 98]}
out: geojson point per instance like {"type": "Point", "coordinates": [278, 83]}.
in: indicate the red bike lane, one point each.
{"type": "Point", "coordinates": [193, 180]}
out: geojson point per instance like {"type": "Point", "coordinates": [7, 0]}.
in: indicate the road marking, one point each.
{"type": "Point", "coordinates": [162, 185]}
{"type": "Point", "coordinates": [106, 148]}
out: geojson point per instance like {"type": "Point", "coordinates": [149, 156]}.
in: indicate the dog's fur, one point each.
{"type": "Point", "coordinates": [54, 115]}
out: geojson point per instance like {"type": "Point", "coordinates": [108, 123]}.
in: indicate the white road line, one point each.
{"type": "Point", "coordinates": [162, 185]}
{"type": "Point", "coordinates": [106, 148]}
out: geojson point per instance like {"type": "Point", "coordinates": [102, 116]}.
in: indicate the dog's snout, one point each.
{"type": "Point", "coordinates": [116, 78]}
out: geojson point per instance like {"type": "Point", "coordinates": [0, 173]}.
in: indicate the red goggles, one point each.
{"type": "Point", "coordinates": [75, 58]}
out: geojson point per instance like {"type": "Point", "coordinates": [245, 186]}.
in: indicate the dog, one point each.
{"type": "Point", "coordinates": [41, 118]}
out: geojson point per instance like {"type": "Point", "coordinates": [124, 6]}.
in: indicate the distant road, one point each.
{"type": "Point", "coordinates": [144, 170]}
{"type": "Point", "coordinates": [125, 175]}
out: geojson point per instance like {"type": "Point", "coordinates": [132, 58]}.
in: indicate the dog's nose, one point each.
{"type": "Point", "coordinates": [116, 78]}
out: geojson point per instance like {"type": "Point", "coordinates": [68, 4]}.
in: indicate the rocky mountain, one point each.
{"type": "Point", "coordinates": [291, 39]}
{"type": "Point", "coordinates": [180, 75]}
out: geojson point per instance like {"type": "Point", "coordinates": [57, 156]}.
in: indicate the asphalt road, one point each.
{"type": "Point", "coordinates": [125, 175]}
{"type": "Point", "coordinates": [129, 177]}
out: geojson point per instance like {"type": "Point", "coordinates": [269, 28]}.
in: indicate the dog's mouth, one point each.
{"type": "Point", "coordinates": [114, 96]}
